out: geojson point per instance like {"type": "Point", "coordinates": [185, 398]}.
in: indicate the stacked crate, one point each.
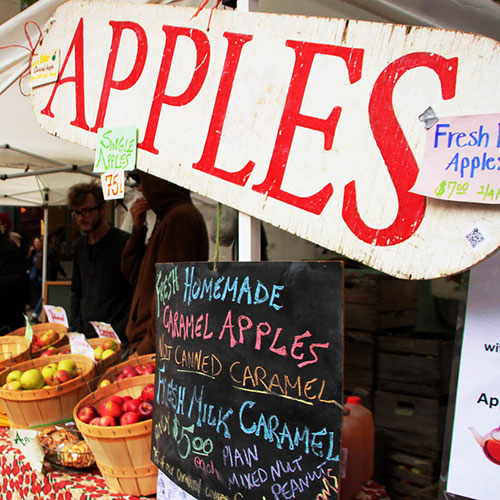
{"type": "Point", "coordinates": [373, 302]}
{"type": "Point", "coordinates": [410, 407]}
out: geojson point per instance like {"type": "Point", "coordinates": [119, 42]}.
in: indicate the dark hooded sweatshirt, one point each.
{"type": "Point", "coordinates": [180, 235]}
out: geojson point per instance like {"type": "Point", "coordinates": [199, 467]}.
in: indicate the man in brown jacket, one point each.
{"type": "Point", "coordinates": [179, 235]}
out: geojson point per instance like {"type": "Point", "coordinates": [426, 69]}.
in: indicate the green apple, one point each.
{"type": "Point", "coordinates": [48, 372]}
{"type": "Point", "coordinates": [98, 353]}
{"type": "Point", "coordinates": [15, 385]}
{"type": "Point", "coordinates": [107, 353]}
{"type": "Point", "coordinates": [32, 379]}
{"type": "Point", "coordinates": [13, 375]}
{"type": "Point", "coordinates": [68, 365]}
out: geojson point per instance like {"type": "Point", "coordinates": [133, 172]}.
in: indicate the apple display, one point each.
{"type": "Point", "coordinates": [131, 405]}
{"type": "Point", "coordinates": [32, 379]}
{"type": "Point", "coordinates": [95, 421]}
{"type": "Point", "coordinates": [98, 353]}
{"type": "Point", "coordinates": [109, 344]}
{"type": "Point", "coordinates": [13, 375]}
{"type": "Point", "coordinates": [50, 351]}
{"type": "Point", "coordinates": [49, 372]}
{"type": "Point", "coordinates": [148, 392]}
{"type": "Point", "coordinates": [110, 409]}
{"type": "Point", "coordinates": [145, 409]}
{"type": "Point", "coordinates": [62, 376]}
{"type": "Point", "coordinates": [129, 417]}
{"type": "Point", "coordinates": [14, 385]}
{"type": "Point", "coordinates": [116, 399]}
{"type": "Point", "coordinates": [87, 414]}
{"type": "Point", "coordinates": [104, 383]}
{"type": "Point", "coordinates": [107, 421]}
{"type": "Point", "coordinates": [107, 353]}
{"type": "Point", "coordinates": [68, 365]}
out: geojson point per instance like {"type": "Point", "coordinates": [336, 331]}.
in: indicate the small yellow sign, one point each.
{"type": "Point", "coordinates": [44, 68]}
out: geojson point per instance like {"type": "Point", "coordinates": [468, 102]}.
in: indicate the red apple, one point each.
{"type": "Point", "coordinates": [131, 405]}
{"type": "Point", "coordinates": [129, 417]}
{"type": "Point", "coordinates": [109, 344]}
{"type": "Point", "coordinates": [129, 371]}
{"type": "Point", "coordinates": [63, 376]}
{"type": "Point", "coordinates": [127, 398]}
{"type": "Point", "coordinates": [95, 421]}
{"type": "Point", "coordinates": [110, 409]}
{"type": "Point", "coordinates": [107, 421]}
{"type": "Point", "coordinates": [145, 409]}
{"type": "Point", "coordinates": [146, 369]}
{"type": "Point", "coordinates": [116, 399]}
{"type": "Point", "coordinates": [87, 413]}
{"type": "Point", "coordinates": [66, 351]}
{"type": "Point", "coordinates": [148, 392]}
{"type": "Point", "coordinates": [50, 351]}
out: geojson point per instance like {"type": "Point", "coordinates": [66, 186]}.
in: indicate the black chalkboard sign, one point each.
{"type": "Point", "coordinates": [249, 379]}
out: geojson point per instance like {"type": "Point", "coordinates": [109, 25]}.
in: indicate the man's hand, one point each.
{"type": "Point", "coordinates": [138, 211]}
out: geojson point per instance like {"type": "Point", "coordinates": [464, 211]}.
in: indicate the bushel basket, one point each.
{"type": "Point", "coordinates": [122, 453]}
{"type": "Point", "coordinates": [36, 408]}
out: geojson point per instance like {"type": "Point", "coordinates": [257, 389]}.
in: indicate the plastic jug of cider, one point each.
{"type": "Point", "coordinates": [358, 411]}
{"type": "Point", "coordinates": [352, 457]}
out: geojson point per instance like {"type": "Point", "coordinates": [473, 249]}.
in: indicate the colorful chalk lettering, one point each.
{"type": "Point", "coordinates": [249, 379]}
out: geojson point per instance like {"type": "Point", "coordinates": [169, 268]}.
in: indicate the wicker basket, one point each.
{"type": "Point", "coordinates": [122, 453]}
{"type": "Point", "coordinates": [102, 366]}
{"type": "Point", "coordinates": [134, 360]}
{"type": "Point", "coordinates": [29, 409]}
{"type": "Point", "coordinates": [60, 329]}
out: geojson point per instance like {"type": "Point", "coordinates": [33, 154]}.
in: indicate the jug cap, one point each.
{"type": "Point", "coordinates": [353, 400]}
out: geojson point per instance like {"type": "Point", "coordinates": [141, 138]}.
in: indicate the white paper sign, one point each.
{"type": "Point", "coordinates": [462, 160]}
{"type": "Point", "coordinates": [168, 490]}
{"type": "Point", "coordinates": [79, 345]}
{"type": "Point", "coordinates": [56, 314]}
{"type": "Point", "coordinates": [105, 330]}
{"type": "Point", "coordinates": [113, 184]}
{"type": "Point", "coordinates": [474, 467]}
{"type": "Point", "coordinates": [44, 68]}
{"type": "Point", "coordinates": [27, 441]}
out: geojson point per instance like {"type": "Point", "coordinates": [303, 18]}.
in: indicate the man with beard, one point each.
{"type": "Point", "coordinates": [99, 290]}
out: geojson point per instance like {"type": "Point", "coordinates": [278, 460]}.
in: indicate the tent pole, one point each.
{"type": "Point", "coordinates": [53, 170]}
{"type": "Point", "coordinates": [45, 244]}
{"type": "Point", "coordinates": [248, 227]}
{"type": "Point", "coordinates": [34, 155]}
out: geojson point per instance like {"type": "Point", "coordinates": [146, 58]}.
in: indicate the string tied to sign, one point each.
{"type": "Point", "coordinates": [217, 234]}
{"type": "Point", "coordinates": [201, 6]}
{"type": "Point", "coordinates": [32, 46]}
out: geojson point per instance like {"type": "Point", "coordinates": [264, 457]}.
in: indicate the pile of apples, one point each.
{"type": "Point", "coordinates": [105, 350]}
{"type": "Point", "coordinates": [120, 410]}
{"type": "Point", "coordinates": [46, 377]}
{"type": "Point", "coordinates": [43, 340]}
{"type": "Point", "coordinates": [132, 371]}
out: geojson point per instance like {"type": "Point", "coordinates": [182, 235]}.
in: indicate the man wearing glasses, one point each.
{"type": "Point", "coordinates": [99, 290]}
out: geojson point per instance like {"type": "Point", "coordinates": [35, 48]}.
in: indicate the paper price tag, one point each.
{"type": "Point", "coordinates": [462, 160]}
{"type": "Point", "coordinates": [113, 184]}
{"type": "Point", "coordinates": [27, 441]}
{"type": "Point", "coordinates": [79, 345]}
{"type": "Point", "coordinates": [105, 330]}
{"type": "Point", "coordinates": [168, 490]}
{"type": "Point", "coordinates": [45, 68]}
{"type": "Point", "coordinates": [29, 331]}
{"type": "Point", "coordinates": [56, 314]}
{"type": "Point", "coordinates": [116, 149]}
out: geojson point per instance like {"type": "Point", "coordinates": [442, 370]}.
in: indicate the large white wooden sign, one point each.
{"type": "Point", "coordinates": [311, 124]}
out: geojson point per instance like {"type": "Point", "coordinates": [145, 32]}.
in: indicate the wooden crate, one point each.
{"type": "Point", "coordinates": [414, 366]}
{"type": "Point", "coordinates": [366, 393]}
{"type": "Point", "coordinates": [359, 348]}
{"type": "Point", "coordinates": [384, 292]}
{"type": "Point", "coordinates": [365, 317]}
{"type": "Point", "coordinates": [410, 442]}
{"type": "Point", "coordinates": [359, 375]}
{"type": "Point", "coordinates": [409, 413]}
{"type": "Point", "coordinates": [420, 471]}
{"type": "Point", "coordinates": [400, 489]}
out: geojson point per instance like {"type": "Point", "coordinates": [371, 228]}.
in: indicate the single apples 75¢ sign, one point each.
{"type": "Point", "coordinates": [310, 124]}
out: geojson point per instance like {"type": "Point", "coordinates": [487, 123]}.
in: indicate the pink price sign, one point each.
{"type": "Point", "coordinates": [462, 160]}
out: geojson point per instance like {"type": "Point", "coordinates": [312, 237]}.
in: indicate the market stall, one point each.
{"type": "Point", "coordinates": [249, 383]}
